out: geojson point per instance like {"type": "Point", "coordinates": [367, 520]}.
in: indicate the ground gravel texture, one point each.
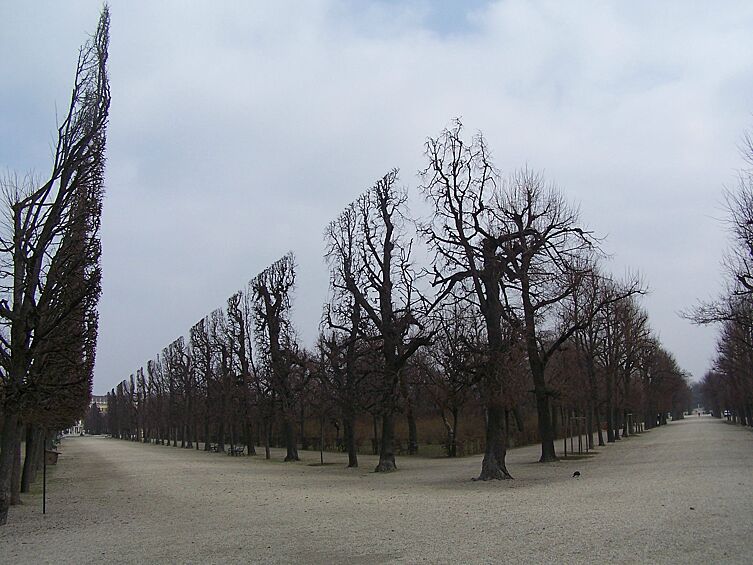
{"type": "Point", "coordinates": [679, 494]}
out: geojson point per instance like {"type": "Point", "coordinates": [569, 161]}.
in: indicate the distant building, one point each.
{"type": "Point", "coordinates": [74, 430]}
{"type": "Point", "coordinates": [101, 402]}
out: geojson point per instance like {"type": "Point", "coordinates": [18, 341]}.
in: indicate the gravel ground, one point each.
{"type": "Point", "coordinates": [678, 494]}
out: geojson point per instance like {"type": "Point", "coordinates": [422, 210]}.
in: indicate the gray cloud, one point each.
{"type": "Point", "coordinates": [239, 129]}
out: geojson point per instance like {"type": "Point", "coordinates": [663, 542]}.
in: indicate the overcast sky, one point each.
{"type": "Point", "coordinates": [239, 129]}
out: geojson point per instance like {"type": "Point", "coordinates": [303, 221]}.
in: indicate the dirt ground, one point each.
{"type": "Point", "coordinates": [679, 494]}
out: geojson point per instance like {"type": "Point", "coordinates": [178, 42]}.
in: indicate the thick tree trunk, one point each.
{"type": "Point", "coordinates": [350, 440]}
{"type": "Point", "coordinates": [11, 436]}
{"type": "Point", "coordinates": [617, 424]}
{"type": "Point", "coordinates": [33, 436]}
{"type": "Point", "coordinates": [250, 437]}
{"type": "Point", "coordinates": [493, 465]}
{"type": "Point", "coordinates": [290, 444]}
{"type": "Point", "coordinates": [387, 448]}
{"type": "Point", "coordinates": [15, 479]}
{"type": "Point", "coordinates": [546, 429]}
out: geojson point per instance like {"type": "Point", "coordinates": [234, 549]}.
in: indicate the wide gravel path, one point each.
{"type": "Point", "coordinates": [679, 494]}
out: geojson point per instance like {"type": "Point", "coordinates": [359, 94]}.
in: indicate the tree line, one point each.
{"type": "Point", "coordinates": [510, 319]}
{"type": "Point", "coordinates": [50, 279]}
{"type": "Point", "coordinates": [727, 389]}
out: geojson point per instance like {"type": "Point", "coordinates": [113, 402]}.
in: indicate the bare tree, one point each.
{"type": "Point", "coordinates": [34, 242]}
{"type": "Point", "coordinates": [546, 255]}
{"type": "Point", "coordinates": [370, 261]}
{"type": "Point", "coordinates": [451, 365]}
{"type": "Point", "coordinates": [459, 182]}
{"type": "Point", "coordinates": [272, 290]}
{"type": "Point", "coordinates": [240, 324]}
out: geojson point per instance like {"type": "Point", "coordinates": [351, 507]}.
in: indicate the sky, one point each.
{"type": "Point", "coordinates": [239, 129]}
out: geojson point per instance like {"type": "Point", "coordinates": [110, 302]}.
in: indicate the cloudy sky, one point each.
{"type": "Point", "coordinates": [238, 129]}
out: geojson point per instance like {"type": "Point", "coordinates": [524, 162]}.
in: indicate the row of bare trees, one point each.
{"type": "Point", "coordinates": [210, 388]}
{"type": "Point", "coordinates": [727, 389]}
{"type": "Point", "coordinates": [513, 315]}
{"type": "Point", "coordinates": [50, 279]}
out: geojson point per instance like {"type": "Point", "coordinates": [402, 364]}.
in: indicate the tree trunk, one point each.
{"type": "Point", "coordinates": [590, 425]}
{"type": "Point", "coordinates": [206, 431]}
{"type": "Point", "coordinates": [453, 439]}
{"type": "Point", "coordinates": [387, 447]}
{"type": "Point", "coordinates": [493, 465]}
{"type": "Point", "coordinates": [610, 421]}
{"type": "Point", "coordinates": [250, 437]}
{"type": "Point", "coordinates": [11, 436]}
{"type": "Point", "coordinates": [302, 424]}
{"type": "Point", "coordinates": [15, 479]}
{"type": "Point", "coordinates": [290, 444]}
{"type": "Point", "coordinates": [350, 440]}
{"type": "Point", "coordinates": [544, 411]}
{"type": "Point", "coordinates": [33, 434]}
{"type": "Point", "coordinates": [221, 435]}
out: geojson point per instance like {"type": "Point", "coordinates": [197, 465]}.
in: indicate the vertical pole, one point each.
{"type": "Point", "coordinates": [44, 481]}
{"type": "Point", "coordinates": [321, 440]}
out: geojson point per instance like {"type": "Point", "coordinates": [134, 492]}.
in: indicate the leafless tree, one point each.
{"type": "Point", "coordinates": [459, 183]}
{"type": "Point", "coordinates": [272, 290]}
{"type": "Point", "coordinates": [452, 363]}
{"type": "Point", "coordinates": [241, 326]}
{"type": "Point", "coordinates": [370, 262]}
{"type": "Point", "coordinates": [44, 223]}
{"type": "Point", "coordinates": [546, 256]}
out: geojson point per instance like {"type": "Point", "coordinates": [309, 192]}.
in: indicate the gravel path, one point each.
{"type": "Point", "coordinates": [679, 494]}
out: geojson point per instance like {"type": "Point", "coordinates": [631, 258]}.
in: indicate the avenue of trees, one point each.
{"type": "Point", "coordinates": [50, 279]}
{"type": "Point", "coordinates": [727, 389]}
{"type": "Point", "coordinates": [509, 328]}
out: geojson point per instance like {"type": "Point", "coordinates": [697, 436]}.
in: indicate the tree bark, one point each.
{"type": "Point", "coordinates": [387, 447]}
{"type": "Point", "coordinates": [250, 437]}
{"type": "Point", "coordinates": [15, 479]}
{"type": "Point", "coordinates": [493, 465]}
{"type": "Point", "coordinates": [544, 412]}
{"type": "Point", "coordinates": [290, 445]}
{"type": "Point", "coordinates": [610, 406]}
{"type": "Point", "coordinates": [350, 440]}
{"type": "Point", "coordinates": [453, 434]}
{"type": "Point", "coordinates": [33, 434]}
{"type": "Point", "coordinates": [11, 436]}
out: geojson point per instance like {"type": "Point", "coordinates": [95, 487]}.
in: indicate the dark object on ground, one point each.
{"type": "Point", "coordinates": [576, 474]}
